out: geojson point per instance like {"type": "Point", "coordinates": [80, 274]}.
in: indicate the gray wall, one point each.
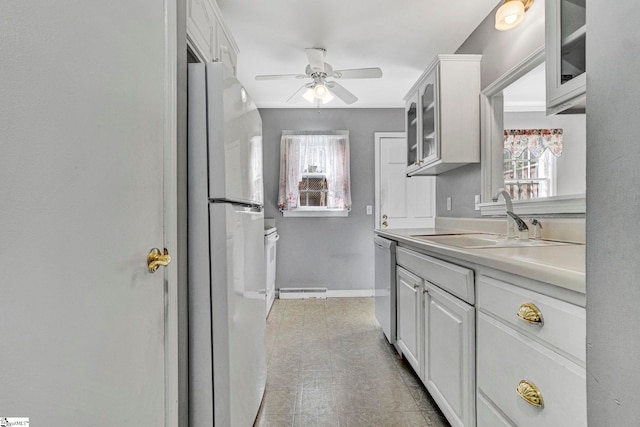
{"type": "Point", "coordinates": [613, 201]}
{"type": "Point", "coordinates": [501, 50]}
{"type": "Point", "coordinates": [336, 253]}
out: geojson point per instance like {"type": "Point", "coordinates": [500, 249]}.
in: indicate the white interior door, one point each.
{"type": "Point", "coordinates": [84, 137]}
{"type": "Point", "coordinates": [401, 202]}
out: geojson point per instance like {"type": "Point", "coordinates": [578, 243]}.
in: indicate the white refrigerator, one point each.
{"type": "Point", "coordinates": [227, 363]}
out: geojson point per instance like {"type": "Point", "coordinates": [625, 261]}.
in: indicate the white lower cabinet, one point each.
{"type": "Point", "coordinates": [515, 359]}
{"type": "Point", "coordinates": [436, 330]}
{"type": "Point", "coordinates": [449, 354]}
{"type": "Point", "coordinates": [530, 370]}
{"type": "Point", "coordinates": [409, 287]}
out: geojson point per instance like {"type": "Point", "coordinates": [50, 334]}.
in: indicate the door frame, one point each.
{"type": "Point", "coordinates": [173, 318]}
{"type": "Point", "coordinates": [377, 137]}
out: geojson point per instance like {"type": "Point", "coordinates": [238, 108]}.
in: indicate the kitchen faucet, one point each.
{"type": "Point", "coordinates": [523, 230]}
{"type": "Point", "coordinates": [511, 221]}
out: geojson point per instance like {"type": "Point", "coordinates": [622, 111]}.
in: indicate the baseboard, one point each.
{"type": "Point", "coordinates": [307, 293]}
{"type": "Point", "coordinates": [350, 293]}
{"type": "Point", "coordinates": [302, 293]}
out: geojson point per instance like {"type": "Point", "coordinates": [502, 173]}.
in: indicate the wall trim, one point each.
{"type": "Point", "coordinates": [575, 204]}
{"type": "Point", "coordinates": [315, 212]}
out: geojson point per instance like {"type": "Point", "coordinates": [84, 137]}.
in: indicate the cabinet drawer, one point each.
{"type": "Point", "coordinates": [563, 325]}
{"type": "Point", "coordinates": [489, 416]}
{"type": "Point", "coordinates": [450, 277]}
{"type": "Point", "coordinates": [505, 357]}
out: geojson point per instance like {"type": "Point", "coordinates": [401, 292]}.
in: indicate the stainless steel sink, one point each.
{"type": "Point", "coordinates": [485, 241]}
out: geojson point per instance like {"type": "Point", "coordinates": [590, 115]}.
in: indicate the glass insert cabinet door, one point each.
{"type": "Point", "coordinates": [428, 141]}
{"type": "Point", "coordinates": [565, 44]}
{"type": "Point", "coordinates": [573, 38]}
{"type": "Point", "coordinates": [422, 124]}
{"type": "Point", "coordinates": [412, 132]}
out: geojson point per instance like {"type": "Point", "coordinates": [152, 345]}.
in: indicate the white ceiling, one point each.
{"type": "Point", "coordinates": [399, 36]}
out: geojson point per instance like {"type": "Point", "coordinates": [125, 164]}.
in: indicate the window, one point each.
{"type": "Point", "coordinates": [512, 102]}
{"type": "Point", "coordinates": [529, 162]}
{"type": "Point", "coordinates": [314, 174]}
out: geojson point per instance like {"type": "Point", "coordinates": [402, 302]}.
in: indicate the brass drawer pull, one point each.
{"type": "Point", "coordinates": [530, 313]}
{"type": "Point", "coordinates": [529, 392]}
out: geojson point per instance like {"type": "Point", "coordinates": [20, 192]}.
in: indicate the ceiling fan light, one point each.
{"type": "Point", "coordinates": [309, 96]}
{"type": "Point", "coordinates": [320, 90]}
{"type": "Point", "coordinates": [327, 97]}
{"type": "Point", "coordinates": [318, 93]}
{"type": "Point", "coordinates": [510, 15]}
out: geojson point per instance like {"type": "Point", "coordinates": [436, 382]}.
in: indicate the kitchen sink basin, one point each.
{"type": "Point", "coordinates": [485, 241]}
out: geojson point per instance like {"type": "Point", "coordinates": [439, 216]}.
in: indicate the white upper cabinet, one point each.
{"type": "Point", "coordinates": [566, 33]}
{"type": "Point", "coordinates": [208, 36]}
{"type": "Point", "coordinates": [443, 116]}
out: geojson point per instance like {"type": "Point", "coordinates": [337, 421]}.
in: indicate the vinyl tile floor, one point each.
{"type": "Point", "coordinates": [330, 365]}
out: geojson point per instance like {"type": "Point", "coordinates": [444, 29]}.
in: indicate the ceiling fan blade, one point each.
{"type": "Point", "coordinates": [298, 95]}
{"type": "Point", "coordinates": [316, 58]}
{"type": "Point", "coordinates": [339, 91]}
{"type": "Point", "coordinates": [280, 76]}
{"type": "Point", "coordinates": [358, 73]}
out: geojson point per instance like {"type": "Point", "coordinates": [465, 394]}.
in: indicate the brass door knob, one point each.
{"type": "Point", "coordinates": [156, 259]}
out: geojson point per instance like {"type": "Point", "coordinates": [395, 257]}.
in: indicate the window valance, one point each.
{"type": "Point", "coordinates": [536, 141]}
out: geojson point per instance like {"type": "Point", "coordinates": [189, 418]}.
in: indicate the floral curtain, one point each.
{"type": "Point", "coordinates": [536, 141]}
{"type": "Point", "coordinates": [315, 154]}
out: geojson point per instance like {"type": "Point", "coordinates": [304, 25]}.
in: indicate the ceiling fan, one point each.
{"type": "Point", "coordinates": [319, 89]}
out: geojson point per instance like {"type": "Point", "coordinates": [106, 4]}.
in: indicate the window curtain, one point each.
{"type": "Point", "coordinates": [536, 141]}
{"type": "Point", "coordinates": [315, 154]}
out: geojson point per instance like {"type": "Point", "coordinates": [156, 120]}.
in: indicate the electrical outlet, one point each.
{"type": "Point", "coordinates": [369, 210]}
{"type": "Point", "coordinates": [448, 203]}
{"type": "Point", "coordinates": [476, 201]}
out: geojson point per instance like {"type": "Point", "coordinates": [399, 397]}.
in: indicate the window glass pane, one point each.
{"type": "Point", "coordinates": [314, 171]}
{"type": "Point", "coordinates": [529, 176]}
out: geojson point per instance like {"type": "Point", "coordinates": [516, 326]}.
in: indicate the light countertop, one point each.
{"type": "Point", "coordinates": [562, 266]}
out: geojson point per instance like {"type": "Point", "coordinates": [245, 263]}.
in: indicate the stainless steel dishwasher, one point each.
{"type": "Point", "coordinates": [385, 286]}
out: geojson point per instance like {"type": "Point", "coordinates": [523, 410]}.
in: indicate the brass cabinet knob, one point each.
{"type": "Point", "coordinates": [156, 259]}
{"type": "Point", "coordinates": [530, 393]}
{"type": "Point", "coordinates": [384, 216]}
{"type": "Point", "coordinates": [384, 224]}
{"type": "Point", "coordinates": [530, 314]}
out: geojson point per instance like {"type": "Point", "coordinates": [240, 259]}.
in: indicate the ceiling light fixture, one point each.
{"type": "Point", "coordinates": [318, 93]}
{"type": "Point", "coordinates": [511, 13]}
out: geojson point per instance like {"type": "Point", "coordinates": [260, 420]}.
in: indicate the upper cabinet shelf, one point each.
{"type": "Point", "coordinates": [565, 46]}
{"type": "Point", "coordinates": [443, 116]}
